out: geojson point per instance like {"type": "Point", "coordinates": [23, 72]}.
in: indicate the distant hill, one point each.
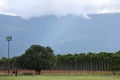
{"type": "Point", "coordinates": [67, 34]}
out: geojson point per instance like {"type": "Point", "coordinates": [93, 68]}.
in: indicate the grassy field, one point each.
{"type": "Point", "coordinates": [60, 78]}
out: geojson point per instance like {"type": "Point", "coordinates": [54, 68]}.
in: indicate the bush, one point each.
{"type": "Point", "coordinates": [26, 73]}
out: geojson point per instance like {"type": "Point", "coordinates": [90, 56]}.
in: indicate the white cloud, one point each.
{"type": "Point", "coordinates": [36, 8]}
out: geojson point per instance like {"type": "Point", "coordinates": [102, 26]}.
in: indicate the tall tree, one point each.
{"type": "Point", "coordinates": [37, 56]}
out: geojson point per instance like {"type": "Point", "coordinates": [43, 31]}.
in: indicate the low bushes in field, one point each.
{"type": "Point", "coordinates": [26, 73]}
{"type": "Point", "coordinates": [59, 72]}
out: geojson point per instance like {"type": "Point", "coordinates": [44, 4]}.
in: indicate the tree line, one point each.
{"type": "Point", "coordinates": [44, 57]}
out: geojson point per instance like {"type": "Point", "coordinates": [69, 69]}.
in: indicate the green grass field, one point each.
{"type": "Point", "coordinates": [60, 78]}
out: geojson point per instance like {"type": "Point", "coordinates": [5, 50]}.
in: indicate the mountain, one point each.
{"type": "Point", "coordinates": [67, 34]}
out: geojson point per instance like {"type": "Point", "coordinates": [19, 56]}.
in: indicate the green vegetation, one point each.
{"type": "Point", "coordinates": [36, 56]}
{"type": "Point", "coordinates": [61, 78]}
{"type": "Point", "coordinates": [102, 61]}
{"type": "Point", "coordinates": [44, 58]}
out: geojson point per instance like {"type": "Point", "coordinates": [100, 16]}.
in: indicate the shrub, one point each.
{"type": "Point", "coordinates": [26, 73]}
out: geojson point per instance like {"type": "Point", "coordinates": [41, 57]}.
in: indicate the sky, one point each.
{"type": "Point", "coordinates": [37, 8]}
{"type": "Point", "coordinates": [68, 26]}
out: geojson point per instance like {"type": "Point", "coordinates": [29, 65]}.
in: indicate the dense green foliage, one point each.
{"type": "Point", "coordinates": [102, 61]}
{"type": "Point", "coordinates": [44, 57]}
{"type": "Point", "coordinates": [3, 63]}
{"type": "Point", "coordinates": [35, 56]}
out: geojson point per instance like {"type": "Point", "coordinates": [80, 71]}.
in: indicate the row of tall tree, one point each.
{"type": "Point", "coordinates": [43, 57]}
{"type": "Point", "coordinates": [102, 61]}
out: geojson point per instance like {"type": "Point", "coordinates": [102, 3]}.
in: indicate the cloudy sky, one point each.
{"type": "Point", "coordinates": [68, 26]}
{"type": "Point", "coordinates": [35, 8]}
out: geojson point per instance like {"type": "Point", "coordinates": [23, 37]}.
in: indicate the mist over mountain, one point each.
{"type": "Point", "coordinates": [66, 34]}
